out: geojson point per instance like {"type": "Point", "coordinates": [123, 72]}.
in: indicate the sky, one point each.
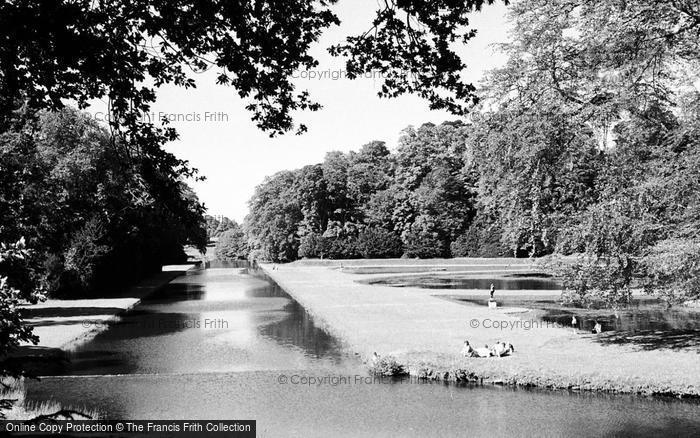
{"type": "Point", "coordinates": [218, 138]}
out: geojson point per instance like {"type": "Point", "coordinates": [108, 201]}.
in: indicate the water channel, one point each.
{"type": "Point", "coordinates": [228, 343]}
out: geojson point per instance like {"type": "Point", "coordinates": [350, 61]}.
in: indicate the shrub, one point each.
{"type": "Point", "coordinates": [14, 262]}
{"type": "Point", "coordinates": [85, 254]}
{"type": "Point", "coordinates": [423, 245]}
{"type": "Point", "coordinates": [310, 246]}
{"type": "Point", "coordinates": [480, 240]}
{"type": "Point", "coordinates": [388, 367]}
{"type": "Point", "coordinates": [340, 247]}
{"type": "Point", "coordinates": [672, 270]}
{"type": "Point", "coordinates": [378, 243]}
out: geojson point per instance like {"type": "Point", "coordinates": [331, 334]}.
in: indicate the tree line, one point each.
{"type": "Point", "coordinates": [584, 144]}
{"type": "Point", "coordinates": [416, 202]}
{"type": "Point", "coordinates": [92, 218]}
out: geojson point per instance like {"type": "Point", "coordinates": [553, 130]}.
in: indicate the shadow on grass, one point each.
{"type": "Point", "coordinates": [42, 361]}
{"type": "Point", "coordinates": [66, 312]}
{"type": "Point", "coordinates": [37, 360]}
{"type": "Point", "coordinates": [654, 339]}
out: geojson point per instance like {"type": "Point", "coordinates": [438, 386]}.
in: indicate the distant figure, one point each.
{"type": "Point", "coordinates": [493, 289]}
{"type": "Point", "coordinates": [574, 323]}
{"type": "Point", "coordinates": [597, 328]}
{"type": "Point", "coordinates": [375, 359]}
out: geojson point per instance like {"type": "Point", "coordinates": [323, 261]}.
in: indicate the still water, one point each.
{"type": "Point", "coordinates": [647, 319]}
{"type": "Point", "coordinates": [225, 343]}
{"type": "Point", "coordinates": [469, 282]}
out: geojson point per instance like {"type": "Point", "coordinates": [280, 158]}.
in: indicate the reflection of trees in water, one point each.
{"type": "Point", "coordinates": [114, 351]}
{"type": "Point", "coordinates": [645, 328]}
{"type": "Point", "coordinates": [646, 325]}
{"type": "Point", "coordinates": [176, 292]}
{"type": "Point", "coordinates": [628, 320]}
{"type": "Point", "coordinates": [107, 352]}
{"type": "Point", "coordinates": [296, 327]}
{"type": "Point", "coordinates": [435, 282]}
{"type": "Point", "coordinates": [299, 330]}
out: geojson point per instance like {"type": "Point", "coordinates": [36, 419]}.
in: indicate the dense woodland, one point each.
{"type": "Point", "coordinates": [585, 143]}
{"type": "Point", "coordinates": [94, 218]}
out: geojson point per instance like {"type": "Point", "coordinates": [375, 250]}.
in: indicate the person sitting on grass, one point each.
{"type": "Point", "coordinates": [483, 352]}
{"type": "Point", "coordinates": [501, 349]}
{"type": "Point", "coordinates": [469, 351]}
{"type": "Point", "coordinates": [597, 328]}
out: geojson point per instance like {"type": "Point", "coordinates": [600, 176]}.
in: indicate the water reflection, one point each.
{"type": "Point", "coordinates": [645, 323]}
{"type": "Point", "coordinates": [381, 410]}
{"type": "Point", "coordinates": [647, 327]}
{"type": "Point", "coordinates": [301, 332]}
{"type": "Point", "coordinates": [154, 364]}
{"type": "Point", "coordinates": [457, 282]}
{"type": "Point", "coordinates": [216, 320]}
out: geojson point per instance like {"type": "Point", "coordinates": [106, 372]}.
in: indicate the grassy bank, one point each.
{"type": "Point", "coordinates": [63, 325]}
{"type": "Point", "coordinates": [425, 334]}
{"type": "Point", "coordinates": [453, 369]}
{"type": "Point", "coordinates": [23, 410]}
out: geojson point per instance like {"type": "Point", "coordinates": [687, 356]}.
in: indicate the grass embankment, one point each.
{"type": "Point", "coordinates": [63, 325]}
{"type": "Point", "coordinates": [425, 334]}
{"type": "Point", "coordinates": [26, 410]}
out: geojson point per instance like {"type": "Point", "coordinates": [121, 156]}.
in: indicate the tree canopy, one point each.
{"type": "Point", "coordinates": [55, 50]}
{"type": "Point", "coordinates": [232, 244]}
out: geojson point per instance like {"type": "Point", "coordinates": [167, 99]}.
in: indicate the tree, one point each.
{"type": "Point", "coordinates": [371, 170]}
{"type": "Point", "coordinates": [672, 270]}
{"type": "Point", "coordinates": [14, 330]}
{"type": "Point", "coordinates": [435, 201]}
{"type": "Point", "coordinates": [93, 219]}
{"type": "Point", "coordinates": [55, 51]}
{"type": "Point", "coordinates": [537, 168]}
{"type": "Point", "coordinates": [215, 227]}
{"type": "Point", "coordinates": [482, 239]}
{"type": "Point", "coordinates": [232, 245]}
{"type": "Point", "coordinates": [588, 150]}
{"type": "Point", "coordinates": [419, 194]}
{"type": "Point", "coordinates": [275, 214]}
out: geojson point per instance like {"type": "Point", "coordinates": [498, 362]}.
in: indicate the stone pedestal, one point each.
{"type": "Point", "coordinates": [493, 304]}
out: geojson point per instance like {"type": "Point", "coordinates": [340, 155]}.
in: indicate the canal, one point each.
{"type": "Point", "coordinates": [227, 343]}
